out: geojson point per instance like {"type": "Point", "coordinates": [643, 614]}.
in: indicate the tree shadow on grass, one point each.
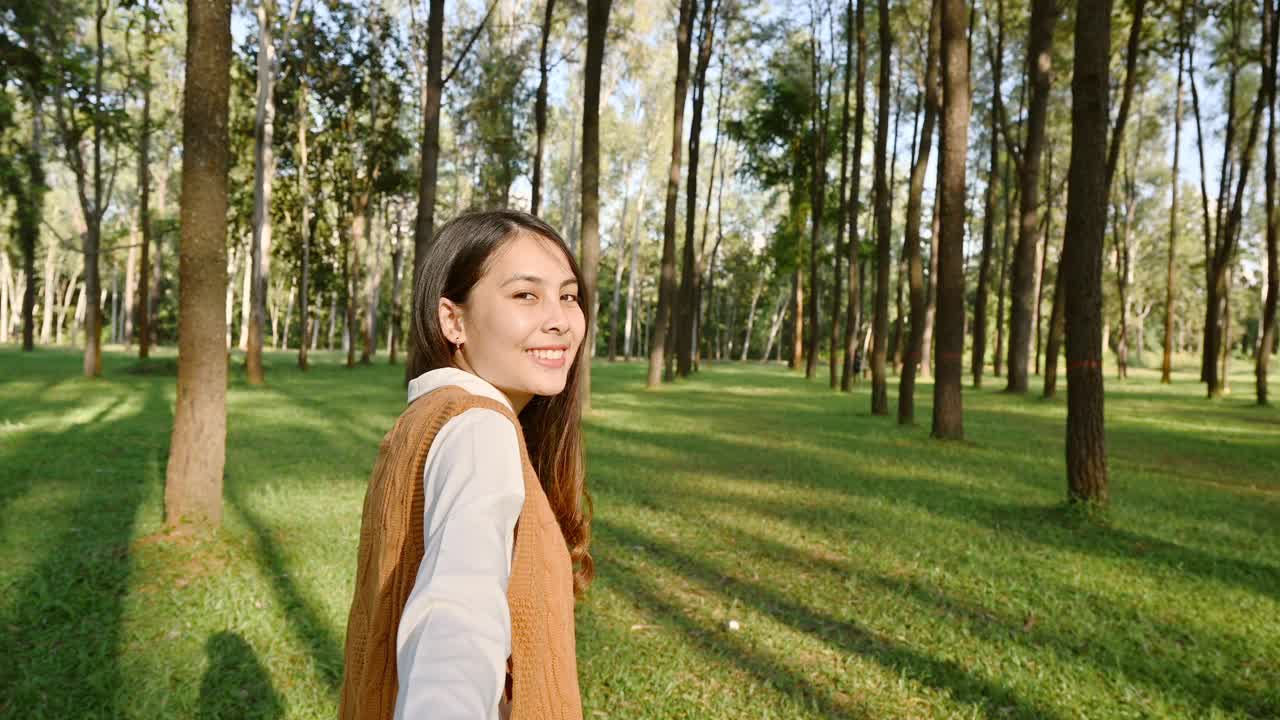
{"type": "Point", "coordinates": [235, 684]}
{"type": "Point", "coordinates": [1129, 656]}
{"type": "Point", "coordinates": [1039, 523]}
{"type": "Point", "coordinates": [847, 635]}
{"type": "Point", "coordinates": [60, 628]}
{"type": "Point", "coordinates": [306, 623]}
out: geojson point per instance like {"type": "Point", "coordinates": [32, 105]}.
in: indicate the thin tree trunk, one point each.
{"type": "Point", "coordinates": [246, 293]}
{"type": "Point", "coordinates": [820, 112]}
{"type": "Point", "coordinates": [197, 448]}
{"type": "Point", "coordinates": [879, 382]}
{"type": "Point", "coordinates": [1005, 243]}
{"type": "Point", "coordinates": [615, 307]}
{"type": "Point", "coordinates": [633, 275]}
{"type": "Point", "coordinates": [424, 224]}
{"type": "Point", "coordinates": [853, 309]}
{"type": "Point", "coordinates": [667, 283]}
{"type": "Point", "coordinates": [1228, 235]}
{"type": "Point", "coordinates": [911, 249]}
{"type": "Point", "coordinates": [1086, 455]}
{"type": "Point", "coordinates": [836, 292]}
{"type": "Point", "coordinates": [1267, 337]}
{"type": "Point", "coordinates": [540, 106]}
{"type": "Point", "coordinates": [1166, 366]}
{"type": "Point", "coordinates": [751, 317]}
{"type": "Point", "coordinates": [1039, 75]}
{"type": "Point", "coordinates": [1044, 252]}
{"type": "Point", "coordinates": [397, 263]}
{"type": "Point", "coordinates": [50, 293]}
{"type": "Point", "coordinates": [776, 325]}
{"type": "Point", "coordinates": [988, 216]}
{"type": "Point", "coordinates": [333, 318]}
{"type": "Point", "coordinates": [264, 170]}
{"type": "Point", "coordinates": [686, 310]}
{"type": "Point", "coordinates": [308, 223]}
{"type": "Point", "coordinates": [144, 194]}
{"type": "Point", "coordinates": [597, 29]}
{"type": "Point", "coordinates": [931, 294]}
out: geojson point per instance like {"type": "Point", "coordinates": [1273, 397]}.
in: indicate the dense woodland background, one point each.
{"type": "Point", "coordinates": [855, 189]}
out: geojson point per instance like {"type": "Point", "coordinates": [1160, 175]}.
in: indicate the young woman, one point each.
{"type": "Point", "coordinates": [473, 543]}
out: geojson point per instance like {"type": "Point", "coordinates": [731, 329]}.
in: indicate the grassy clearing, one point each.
{"type": "Point", "coordinates": [874, 573]}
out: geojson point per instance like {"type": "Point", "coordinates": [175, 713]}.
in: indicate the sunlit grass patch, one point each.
{"type": "Point", "coordinates": [868, 570]}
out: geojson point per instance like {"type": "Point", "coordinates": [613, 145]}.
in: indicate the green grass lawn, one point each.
{"type": "Point", "coordinates": [873, 572]}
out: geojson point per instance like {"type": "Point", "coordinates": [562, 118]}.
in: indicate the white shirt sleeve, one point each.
{"type": "Point", "coordinates": [454, 636]}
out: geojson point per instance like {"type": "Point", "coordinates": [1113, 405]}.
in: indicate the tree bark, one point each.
{"type": "Point", "coordinates": [30, 215]}
{"type": "Point", "coordinates": [853, 303]}
{"type": "Point", "coordinates": [686, 310]}
{"type": "Point", "coordinates": [1228, 235]}
{"type": "Point", "coordinates": [988, 216]}
{"type": "Point", "coordinates": [1005, 243]}
{"type": "Point", "coordinates": [1086, 455]}
{"type": "Point", "coordinates": [540, 106]}
{"type": "Point", "coordinates": [1166, 366]}
{"type": "Point", "coordinates": [308, 224]}
{"type": "Point", "coordinates": [911, 246]}
{"type": "Point", "coordinates": [820, 112]}
{"type": "Point", "coordinates": [879, 382]}
{"type": "Point", "coordinates": [264, 170]}
{"type": "Point", "coordinates": [633, 277]}
{"type": "Point", "coordinates": [1268, 331]}
{"type": "Point", "coordinates": [197, 449]}
{"type": "Point", "coordinates": [667, 282]}
{"type": "Point", "coordinates": [1022, 294]}
{"type": "Point", "coordinates": [833, 346]}
{"type": "Point", "coordinates": [597, 29]}
{"type": "Point", "coordinates": [948, 416]}
{"type": "Point", "coordinates": [615, 306]}
{"type": "Point", "coordinates": [424, 225]}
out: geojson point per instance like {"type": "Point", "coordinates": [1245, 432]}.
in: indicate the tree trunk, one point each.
{"type": "Point", "coordinates": [597, 29]}
{"type": "Point", "coordinates": [144, 195]}
{"type": "Point", "coordinates": [264, 170]}
{"type": "Point", "coordinates": [1005, 243]}
{"type": "Point", "coordinates": [751, 317]}
{"type": "Point", "coordinates": [931, 294]}
{"type": "Point", "coordinates": [633, 276]}
{"type": "Point", "coordinates": [879, 382]}
{"type": "Point", "coordinates": [667, 283]}
{"type": "Point", "coordinates": [988, 216]}
{"type": "Point", "coordinates": [397, 289]}
{"type": "Point", "coordinates": [833, 349]}
{"type": "Point", "coordinates": [333, 318]}
{"type": "Point", "coordinates": [30, 215]}
{"type": "Point", "coordinates": [685, 310]}
{"type": "Point", "coordinates": [819, 120]}
{"type": "Point", "coordinates": [948, 416]}
{"type": "Point", "coordinates": [853, 314]}
{"type": "Point", "coordinates": [1022, 294]}
{"type": "Point", "coordinates": [1267, 336]}
{"type": "Point", "coordinates": [540, 107]}
{"type": "Point", "coordinates": [50, 293]}
{"type": "Point", "coordinates": [1227, 241]}
{"type": "Point", "coordinates": [776, 325]}
{"type": "Point", "coordinates": [911, 248]}
{"type": "Point", "coordinates": [197, 449]}
{"type": "Point", "coordinates": [308, 225]}
{"type": "Point", "coordinates": [1086, 454]}
{"type": "Point", "coordinates": [1057, 327]}
{"type": "Point", "coordinates": [1166, 366]}
{"type": "Point", "coordinates": [230, 294]}
{"type": "Point", "coordinates": [424, 225]}
{"type": "Point", "coordinates": [1044, 252]}
{"type": "Point", "coordinates": [246, 293]}
{"type": "Point", "coordinates": [615, 306]}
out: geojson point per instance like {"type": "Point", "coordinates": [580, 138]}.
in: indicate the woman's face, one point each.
{"type": "Point", "coordinates": [521, 325]}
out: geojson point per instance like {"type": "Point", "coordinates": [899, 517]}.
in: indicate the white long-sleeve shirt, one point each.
{"type": "Point", "coordinates": [454, 636]}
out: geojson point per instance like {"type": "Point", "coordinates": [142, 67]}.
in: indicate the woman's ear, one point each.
{"type": "Point", "coordinates": [451, 321]}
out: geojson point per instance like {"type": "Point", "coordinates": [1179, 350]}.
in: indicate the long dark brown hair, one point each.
{"type": "Point", "coordinates": [552, 425]}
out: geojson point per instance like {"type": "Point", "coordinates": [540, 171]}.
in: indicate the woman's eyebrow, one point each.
{"type": "Point", "coordinates": [534, 279]}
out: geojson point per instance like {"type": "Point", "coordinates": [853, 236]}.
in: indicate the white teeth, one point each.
{"type": "Point", "coordinates": [546, 354]}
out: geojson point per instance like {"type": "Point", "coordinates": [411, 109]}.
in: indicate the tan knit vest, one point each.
{"type": "Point", "coordinates": [542, 673]}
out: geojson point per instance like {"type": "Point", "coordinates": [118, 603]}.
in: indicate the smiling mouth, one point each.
{"type": "Point", "coordinates": [548, 354]}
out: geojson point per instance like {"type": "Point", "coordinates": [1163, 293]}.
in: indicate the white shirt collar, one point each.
{"type": "Point", "coordinates": [445, 376]}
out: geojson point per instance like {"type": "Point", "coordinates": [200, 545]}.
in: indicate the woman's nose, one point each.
{"type": "Point", "coordinates": [555, 320]}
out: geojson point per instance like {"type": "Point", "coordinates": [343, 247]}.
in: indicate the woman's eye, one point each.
{"type": "Point", "coordinates": [569, 297]}
{"type": "Point", "coordinates": [525, 296]}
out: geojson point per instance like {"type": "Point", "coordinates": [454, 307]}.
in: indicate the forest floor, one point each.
{"type": "Point", "coordinates": [872, 572]}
